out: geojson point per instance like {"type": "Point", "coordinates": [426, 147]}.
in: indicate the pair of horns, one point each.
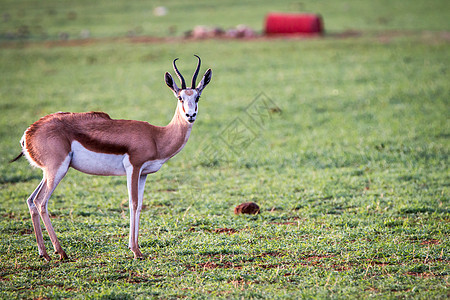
{"type": "Point", "coordinates": [194, 78]}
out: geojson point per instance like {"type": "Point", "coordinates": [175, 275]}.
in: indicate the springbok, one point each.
{"type": "Point", "coordinates": [95, 144]}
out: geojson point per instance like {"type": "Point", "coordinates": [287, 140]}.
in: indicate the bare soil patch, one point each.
{"type": "Point", "coordinates": [382, 37]}
{"type": "Point", "coordinates": [225, 230]}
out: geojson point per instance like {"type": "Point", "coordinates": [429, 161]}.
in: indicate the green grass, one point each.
{"type": "Point", "coordinates": [347, 158]}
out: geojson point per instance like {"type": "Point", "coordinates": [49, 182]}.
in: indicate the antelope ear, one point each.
{"type": "Point", "coordinates": [170, 83]}
{"type": "Point", "coordinates": [205, 80]}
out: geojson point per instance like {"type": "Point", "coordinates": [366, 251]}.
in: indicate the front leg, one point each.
{"type": "Point", "coordinates": [141, 188]}
{"type": "Point", "coordinates": [135, 183]}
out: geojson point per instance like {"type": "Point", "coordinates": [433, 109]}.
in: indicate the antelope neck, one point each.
{"type": "Point", "coordinates": [175, 135]}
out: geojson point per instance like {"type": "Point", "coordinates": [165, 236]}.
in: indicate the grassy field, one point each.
{"type": "Point", "coordinates": [343, 141]}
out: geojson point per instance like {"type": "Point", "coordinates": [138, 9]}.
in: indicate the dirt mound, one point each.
{"type": "Point", "coordinates": [250, 208]}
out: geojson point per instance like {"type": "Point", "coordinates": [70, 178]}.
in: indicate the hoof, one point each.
{"type": "Point", "coordinates": [45, 256]}
{"type": "Point", "coordinates": [138, 254]}
{"type": "Point", "coordinates": [63, 256]}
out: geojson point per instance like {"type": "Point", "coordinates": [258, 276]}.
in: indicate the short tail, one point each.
{"type": "Point", "coordinates": [17, 158]}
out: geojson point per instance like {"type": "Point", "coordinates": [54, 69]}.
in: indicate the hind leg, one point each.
{"type": "Point", "coordinates": [52, 177]}
{"type": "Point", "coordinates": [36, 223]}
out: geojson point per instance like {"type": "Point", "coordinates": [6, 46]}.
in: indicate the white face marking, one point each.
{"type": "Point", "coordinates": [188, 104]}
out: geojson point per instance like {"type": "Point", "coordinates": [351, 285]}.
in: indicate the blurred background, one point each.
{"type": "Point", "coordinates": [342, 139]}
{"type": "Point", "coordinates": [53, 20]}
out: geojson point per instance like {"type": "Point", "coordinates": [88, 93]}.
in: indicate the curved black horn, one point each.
{"type": "Point", "coordinates": [194, 78]}
{"type": "Point", "coordinates": [183, 83]}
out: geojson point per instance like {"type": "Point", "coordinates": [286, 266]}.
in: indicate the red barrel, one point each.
{"type": "Point", "coordinates": [284, 23]}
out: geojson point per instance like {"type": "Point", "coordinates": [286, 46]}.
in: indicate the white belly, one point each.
{"type": "Point", "coordinates": [95, 163]}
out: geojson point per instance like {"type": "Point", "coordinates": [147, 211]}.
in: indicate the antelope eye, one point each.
{"type": "Point", "coordinates": [179, 98]}
{"type": "Point", "coordinates": [196, 99]}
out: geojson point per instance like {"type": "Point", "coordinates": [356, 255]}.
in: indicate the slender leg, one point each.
{"type": "Point", "coordinates": [52, 179]}
{"type": "Point", "coordinates": [141, 188]}
{"type": "Point", "coordinates": [36, 223]}
{"type": "Point", "coordinates": [133, 178]}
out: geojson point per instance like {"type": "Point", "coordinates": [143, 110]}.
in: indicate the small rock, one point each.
{"type": "Point", "coordinates": [200, 32]}
{"type": "Point", "coordinates": [160, 11]}
{"type": "Point", "coordinates": [85, 34]}
{"type": "Point", "coordinates": [63, 36]}
{"type": "Point", "coordinates": [250, 208]}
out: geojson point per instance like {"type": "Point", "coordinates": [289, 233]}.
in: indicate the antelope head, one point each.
{"type": "Point", "coordinates": [188, 97]}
